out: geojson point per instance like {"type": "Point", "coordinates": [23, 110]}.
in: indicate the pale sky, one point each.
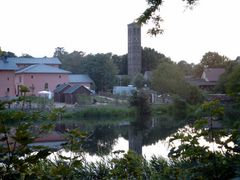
{"type": "Point", "coordinates": [37, 27]}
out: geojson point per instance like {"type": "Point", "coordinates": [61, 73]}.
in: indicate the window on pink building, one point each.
{"type": "Point", "coordinates": [32, 76]}
{"type": "Point", "coordinates": [59, 76]}
{"type": "Point", "coordinates": [46, 86]}
{"type": "Point", "coordinates": [20, 78]}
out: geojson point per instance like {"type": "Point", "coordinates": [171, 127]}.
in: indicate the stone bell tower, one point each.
{"type": "Point", "coordinates": [134, 49]}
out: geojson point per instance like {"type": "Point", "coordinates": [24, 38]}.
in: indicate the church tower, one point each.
{"type": "Point", "coordinates": [134, 49]}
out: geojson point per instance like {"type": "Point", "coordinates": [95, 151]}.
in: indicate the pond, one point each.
{"type": "Point", "coordinates": [146, 136]}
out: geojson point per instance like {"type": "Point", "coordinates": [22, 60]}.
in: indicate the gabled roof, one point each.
{"type": "Point", "coordinates": [148, 75]}
{"type": "Point", "coordinates": [79, 78]}
{"type": "Point", "coordinates": [74, 88]}
{"type": "Point", "coordinates": [30, 61]}
{"type": "Point", "coordinates": [5, 65]}
{"type": "Point", "coordinates": [213, 74]}
{"type": "Point", "coordinates": [43, 69]}
{"type": "Point", "coordinates": [60, 88]}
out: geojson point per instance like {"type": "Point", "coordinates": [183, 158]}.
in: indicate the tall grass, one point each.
{"type": "Point", "coordinates": [102, 112]}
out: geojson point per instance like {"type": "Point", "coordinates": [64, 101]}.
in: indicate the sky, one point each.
{"type": "Point", "coordinates": [37, 27]}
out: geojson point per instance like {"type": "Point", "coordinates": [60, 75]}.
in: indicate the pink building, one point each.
{"type": "Point", "coordinates": [40, 77]}
{"type": "Point", "coordinates": [37, 74]}
{"type": "Point", "coordinates": [7, 78]}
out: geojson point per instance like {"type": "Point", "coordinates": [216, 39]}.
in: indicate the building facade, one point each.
{"type": "Point", "coordinates": [38, 74]}
{"type": "Point", "coordinates": [134, 49]}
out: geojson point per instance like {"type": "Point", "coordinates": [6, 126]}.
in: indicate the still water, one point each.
{"type": "Point", "coordinates": [145, 136]}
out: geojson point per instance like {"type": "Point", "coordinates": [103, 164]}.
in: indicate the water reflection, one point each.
{"type": "Point", "coordinates": [152, 134]}
{"type": "Point", "coordinates": [146, 135]}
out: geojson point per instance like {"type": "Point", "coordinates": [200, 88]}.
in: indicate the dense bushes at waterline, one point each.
{"type": "Point", "coordinates": [187, 160]}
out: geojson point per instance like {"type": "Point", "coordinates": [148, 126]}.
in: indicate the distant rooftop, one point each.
{"type": "Point", "coordinates": [5, 65]}
{"type": "Point", "coordinates": [213, 74]}
{"type": "Point", "coordinates": [74, 88]}
{"type": "Point", "coordinates": [29, 61]}
{"type": "Point", "coordinates": [42, 68]}
{"type": "Point", "coordinates": [60, 88]}
{"type": "Point", "coordinates": [79, 78]}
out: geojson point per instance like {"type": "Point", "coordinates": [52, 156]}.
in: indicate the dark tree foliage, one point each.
{"type": "Point", "coordinates": [221, 85]}
{"type": "Point", "coordinates": [6, 54]}
{"type": "Point", "coordinates": [151, 59]}
{"type": "Point", "coordinates": [138, 81]}
{"type": "Point", "coordinates": [25, 55]}
{"type": "Point", "coordinates": [232, 84]}
{"type": "Point", "coordinates": [211, 60]}
{"type": "Point", "coordinates": [153, 13]}
{"type": "Point", "coordinates": [140, 101]}
{"type": "Point", "coordinates": [185, 67]}
{"type": "Point", "coordinates": [101, 69]}
{"type": "Point", "coordinates": [214, 60]}
{"type": "Point", "coordinates": [121, 62]}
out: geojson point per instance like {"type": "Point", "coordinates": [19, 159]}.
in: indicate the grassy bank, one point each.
{"type": "Point", "coordinates": [101, 112]}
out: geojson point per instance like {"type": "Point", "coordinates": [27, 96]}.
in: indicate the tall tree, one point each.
{"type": "Point", "coordinates": [167, 78]}
{"type": "Point", "coordinates": [101, 69]}
{"type": "Point", "coordinates": [211, 60]}
{"type": "Point", "coordinates": [151, 59]}
{"type": "Point", "coordinates": [138, 81]}
{"type": "Point", "coordinates": [232, 84]}
{"type": "Point", "coordinates": [185, 67]}
{"type": "Point", "coordinates": [121, 62]}
{"type": "Point", "coordinates": [214, 60]}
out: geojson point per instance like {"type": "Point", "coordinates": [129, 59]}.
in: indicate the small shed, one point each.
{"type": "Point", "coordinates": [59, 92]}
{"type": "Point", "coordinates": [72, 92]}
{"type": "Point", "coordinates": [80, 79]}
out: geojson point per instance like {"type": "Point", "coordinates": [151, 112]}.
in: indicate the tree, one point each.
{"type": "Point", "coordinates": [167, 78]}
{"type": "Point", "coordinates": [6, 54]}
{"type": "Point", "coordinates": [152, 13]}
{"type": "Point", "coordinates": [101, 69]}
{"type": "Point", "coordinates": [211, 60]}
{"type": "Point", "coordinates": [233, 82]}
{"type": "Point", "coordinates": [214, 60]}
{"type": "Point", "coordinates": [185, 67]}
{"type": "Point", "coordinates": [138, 81]}
{"type": "Point", "coordinates": [140, 101]}
{"type": "Point", "coordinates": [151, 59]}
{"type": "Point", "coordinates": [121, 62]}
{"type": "Point", "coordinates": [59, 52]}
{"type": "Point", "coordinates": [25, 55]}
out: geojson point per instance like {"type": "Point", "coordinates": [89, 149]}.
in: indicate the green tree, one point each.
{"type": "Point", "coordinates": [211, 60]}
{"type": "Point", "coordinates": [101, 69]}
{"type": "Point", "coordinates": [214, 60]}
{"type": "Point", "coordinates": [6, 54]}
{"type": "Point", "coordinates": [151, 59]}
{"type": "Point", "coordinates": [167, 78]}
{"type": "Point", "coordinates": [121, 62]}
{"type": "Point", "coordinates": [185, 67]}
{"type": "Point", "coordinates": [25, 55]}
{"type": "Point", "coordinates": [140, 101]}
{"type": "Point", "coordinates": [138, 81]}
{"type": "Point", "coordinates": [232, 84]}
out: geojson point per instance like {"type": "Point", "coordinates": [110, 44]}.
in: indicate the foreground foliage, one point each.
{"type": "Point", "coordinates": [190, 159]}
